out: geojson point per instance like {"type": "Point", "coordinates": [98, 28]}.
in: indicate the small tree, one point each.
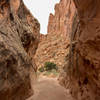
{"type": "Point", "coordinates": [49, 66]}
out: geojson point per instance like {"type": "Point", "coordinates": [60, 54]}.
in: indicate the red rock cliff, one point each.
{"type": "Point", "coordinates": [60, 22]}
{"type": "Point", "coordinates": [83, 69]}
{"type": "Point", "coordinates": [19, 33]}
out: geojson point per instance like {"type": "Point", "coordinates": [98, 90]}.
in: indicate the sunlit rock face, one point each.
{"type": "Point", "coordinates": [61, 21]}
{"type": "Point", "coordinates": [53, 47]}
{"type": "Point", "coordinates": [83, 67]}
{"type": "Point", "coordinates": [19, 34]}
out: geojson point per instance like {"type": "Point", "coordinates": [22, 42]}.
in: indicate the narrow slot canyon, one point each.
{"type": "Point", "coordinates": [60, 65]}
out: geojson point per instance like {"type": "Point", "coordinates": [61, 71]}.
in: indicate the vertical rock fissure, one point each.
{"type": "Point", "coordinates": [73, 43]}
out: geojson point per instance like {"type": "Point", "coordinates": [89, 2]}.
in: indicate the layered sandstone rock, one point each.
{"type": "Point", "coordinates": [83, 68]}
{"type": "Point", "coordinates": [53, 47]}
{"type": "Point", "coordinates": [19, 33]}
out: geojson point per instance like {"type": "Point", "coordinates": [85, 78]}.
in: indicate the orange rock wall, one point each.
{"type": "Point", "coordinates": [83, 69]}
{"type": "Point", "coordinates": [19, 37]}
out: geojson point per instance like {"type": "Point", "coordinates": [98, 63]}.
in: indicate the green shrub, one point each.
{"type": "Point", "coordinates": [49, 66]}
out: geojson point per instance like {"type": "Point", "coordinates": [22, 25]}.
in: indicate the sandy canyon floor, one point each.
{"type": "Point", "coordinates": [48, 89]}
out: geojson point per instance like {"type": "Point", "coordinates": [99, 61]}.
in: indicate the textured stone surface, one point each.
{"type": "Point", "coordinates": [19, 33]}
{"type": "Point", "coordinates": [83, 68]}
{"type": "Point", "coordinates": [54, 46]}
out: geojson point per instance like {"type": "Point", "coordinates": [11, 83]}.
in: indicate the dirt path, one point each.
{"type": "Point", "coordinates": [49, 89]}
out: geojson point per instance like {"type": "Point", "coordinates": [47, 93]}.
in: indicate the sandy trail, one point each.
{"type": "Point", "coordinates": [49, 89]}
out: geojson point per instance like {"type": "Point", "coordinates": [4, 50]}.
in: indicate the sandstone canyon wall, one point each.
{"type": "Point", "coordinates": [53, 47]}
{"type": "Point", "coordinates": [19, 35]}
{"type": "Point", "coordinates": [83, 67]}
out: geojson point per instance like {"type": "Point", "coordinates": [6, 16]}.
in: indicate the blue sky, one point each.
{"type": "Point", "coordinates": [41, 10]}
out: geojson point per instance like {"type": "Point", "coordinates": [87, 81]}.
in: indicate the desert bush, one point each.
{"type": "Point", "coordinates": [50, 66]}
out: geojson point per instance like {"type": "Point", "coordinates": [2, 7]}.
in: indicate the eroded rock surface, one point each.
{"type": "Point", "coordinates": [83, 69]}
{"type": "Point", "coordinates": [19, 33]}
